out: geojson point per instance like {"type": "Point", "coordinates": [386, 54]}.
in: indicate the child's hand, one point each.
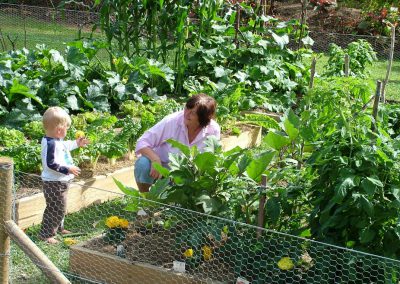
{"type": "Point", "coordinates": [74, 170]}
{"type": "Point", "coordinates": [82, 141]}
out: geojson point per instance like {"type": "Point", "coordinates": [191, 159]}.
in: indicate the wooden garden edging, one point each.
{"type": "Point", "coordinates": [246, 139]}
{"type": "Point", "coordinates": [107, 268]}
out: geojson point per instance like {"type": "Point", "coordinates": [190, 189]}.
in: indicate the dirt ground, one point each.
{"type": "Point", "coordinates": [338, 20]}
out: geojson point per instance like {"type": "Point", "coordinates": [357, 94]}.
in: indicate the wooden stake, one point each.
{"type": "Point", "coordinates": [6, 185]}
{"type": "Point", "coordinates": [261, 206]}
{"type": "Point", "coordinates": [376, 104]}
{"type": "Point", "coordinates": [35, 254]}
{"type": "Point", "coordinates": [312, 75]}
{"type": "Point", "coordinates": [346, 65]}
{"type": "Point", "coordinates": [389, 67]}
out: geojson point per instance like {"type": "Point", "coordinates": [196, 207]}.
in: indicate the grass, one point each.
{"type": "Point", "coordinates": [86, 221]}
{"type": "Point", "coordinates": [52, 34]}
{"type": "Point", "coordinates": [376, 71]}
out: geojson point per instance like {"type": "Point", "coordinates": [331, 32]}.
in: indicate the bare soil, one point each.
{"type": "Point", "coordinates": [337, 20]}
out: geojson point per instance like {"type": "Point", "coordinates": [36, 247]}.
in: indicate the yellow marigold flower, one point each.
{"type": "Point", "coordinates": [70, 241]}
{"type": "Point", "coordinates": [188, 253]}
{"type": "Point", "coordinates": [112, 222]}
{"type": "Point", "coordinates": [79, 134]}
{"type": "Point", "coordinates": [123, 223]}
{"type": "Point", "coordinates": [207, 252]}
{"type": "Point", "coordinates": [285, 263]}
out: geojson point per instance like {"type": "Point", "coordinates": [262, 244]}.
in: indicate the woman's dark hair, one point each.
{"type": "Point", "coordinates": [206, 107]}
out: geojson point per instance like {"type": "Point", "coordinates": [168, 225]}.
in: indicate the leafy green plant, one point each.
{"type": "Point", "coordinates": [361, 54]}
{"type": "Point", "coordinates": [11, 137]}
{"type": "Point", "coordinates": [204, 181]}
{"type": "Point", "coordinates": [26, 156]}
{"type": "Point", "coordinates": [129, 134]}
{"type": "Point", "coordinates": [34, 130]}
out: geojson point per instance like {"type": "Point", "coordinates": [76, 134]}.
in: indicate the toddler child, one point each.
{"type": "Point", "coordinates": [58, 171]}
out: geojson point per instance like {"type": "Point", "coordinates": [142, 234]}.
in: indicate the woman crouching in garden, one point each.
{"type": "Point", "coordinates": [190, 127]}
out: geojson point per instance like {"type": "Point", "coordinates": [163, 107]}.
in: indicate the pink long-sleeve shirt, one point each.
{"type": "Point", "coordinates": [173, 127]}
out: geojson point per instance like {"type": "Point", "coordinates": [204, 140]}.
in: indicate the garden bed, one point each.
{"type": "Point", "coordinates": [250, 136]}
{"type": "Point", "coordinates": [148, 257]}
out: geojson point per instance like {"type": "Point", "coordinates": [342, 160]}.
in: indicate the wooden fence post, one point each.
{"type": "Point", "coordinates": [346, 65]}
{"type": "Point", "coordinates": [312, 75]}
{"type": "Point", "coordinates": [376, 104]}
{"type": "Point", "coordinates": [389, 67]}
{"type": "Point", "coordinates": [6, 185]}
{"type": "Point", "coordinates": [261, 205]}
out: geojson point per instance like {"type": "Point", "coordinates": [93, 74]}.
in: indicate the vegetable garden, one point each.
{"type": "Point", "coordinates": [312, 198]}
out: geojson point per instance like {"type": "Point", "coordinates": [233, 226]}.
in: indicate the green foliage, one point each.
{"type": "Point", "coordinates": [263, 72]}
{"type": "Point", "coordinates": [260, 119]}
{"type": "Point", "coordinates": [360, 54]}
{"type": "Point", "coordinates": [11, 137]}
{"type": "Point", "coordinates": [355, 195]}
{"type": "Point", "coordinates": [34, 130]}
{"type": "Point", "coordinates": [213, 182]}
{"type": "Point", "coordinates": [26, 156]}
{"type": "Point", "coordinates": [130, 132]}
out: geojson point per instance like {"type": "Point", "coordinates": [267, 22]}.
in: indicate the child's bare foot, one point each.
{"type": "Point", "coordinates": [51, 241]}
{"type": "Point", "coordinates": [64, 232]}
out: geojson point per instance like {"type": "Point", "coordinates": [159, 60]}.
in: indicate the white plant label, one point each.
{"type": "Point", "coordinates": [241, 280]}
{"type": "Point", "coordinates": [179, 266]}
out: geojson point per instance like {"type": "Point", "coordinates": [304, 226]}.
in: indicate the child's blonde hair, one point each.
{"type": "Point", "coordinates": [55, 117]}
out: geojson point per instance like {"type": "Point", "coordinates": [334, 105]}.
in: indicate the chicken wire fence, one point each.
{"type": "Point", "coordinates": [116, 238]}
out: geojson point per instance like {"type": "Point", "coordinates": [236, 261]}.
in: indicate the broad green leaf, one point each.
{"type": "Point", "coordinates": [130, 191]}
{"type": "Point", "coordinates": [18, 88]}
{"type": "Point", "coordinates": [205, 161]}
{"type": "Point", "coordinates": [212, 144]}
{"type": "Point", "coordinates": [291, 124]}
{"type": "Point", "coordinates": [366, 205]}
{"type": "Point", "coordinates": [157, 189]}
{"type": "Point", "coordinates": [281, 41]}
{"type": "Point", "coordinates": [342, 188]}
{"type": "Point", "coordinates": [273, 209]}
{"type": "Point", "coordinates": [370, 184]}
{"type": "Point", "coordinates": [72, 102]}
{"type": "Point", "coordinates": [133, 206]}
{"type": "Point", "coordinates": [209, 204]}
{"type": "Point", "coordinates": [276, 140]}
{"type": "Point", "coordinates": [220, 71]}
{"type": "Point", "coordinates": [307, 41]}
{"type": "Point", "coordinates": [257, 166]}
{"type": "Point", "coordinates": [163, 171]}
{"type": "Point", "coordinates": [367, 235]}
{"type": "Point", "coordinates": [182, 147]}
{"type": "Point", "coordinates": [306, 233]}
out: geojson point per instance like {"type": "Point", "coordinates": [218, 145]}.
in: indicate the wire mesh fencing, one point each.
{"type": "Point", "coordinates": [128, 239]}
{"type": "Point", "coordinates": [26, 26]}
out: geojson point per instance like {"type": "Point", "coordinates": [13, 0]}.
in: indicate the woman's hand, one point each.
{"type": "Point", "coordinates": [153, 172]}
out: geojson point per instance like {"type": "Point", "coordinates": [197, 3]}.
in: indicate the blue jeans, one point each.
{"type": "Point", "coordinates": [142, 170]}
